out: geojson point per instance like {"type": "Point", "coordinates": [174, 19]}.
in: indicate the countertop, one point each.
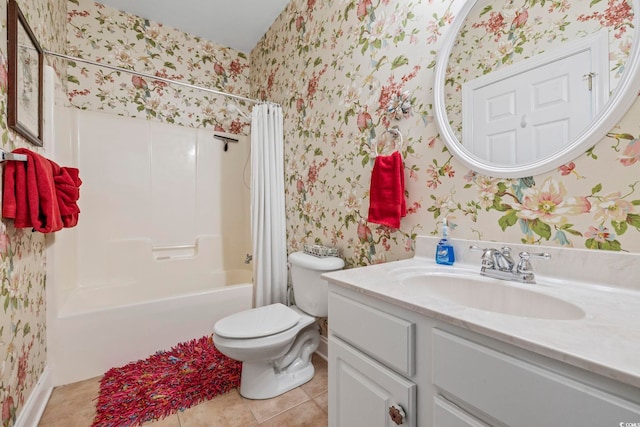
{"type": "Point", "coordinates": [606, 341]}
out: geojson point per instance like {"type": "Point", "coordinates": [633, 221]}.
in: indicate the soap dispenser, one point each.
{"type": "Point", "coordinates": [444, 250]}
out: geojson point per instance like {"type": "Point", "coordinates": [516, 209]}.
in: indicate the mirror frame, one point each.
{"type": "Point", "coordinates": [622, 98]}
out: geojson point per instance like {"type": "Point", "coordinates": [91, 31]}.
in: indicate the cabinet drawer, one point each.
{"type": "Point", "coordinates": [517, 393]}
{"type": "Point", "coordinates": [383, 336]}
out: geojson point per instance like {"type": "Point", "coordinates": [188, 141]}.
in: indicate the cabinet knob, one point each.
{"type": "Point", "coordinates": [397, 414]}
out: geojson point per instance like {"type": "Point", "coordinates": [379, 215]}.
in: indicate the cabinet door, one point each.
{"type": "Point", "coordinates": [362, 391]}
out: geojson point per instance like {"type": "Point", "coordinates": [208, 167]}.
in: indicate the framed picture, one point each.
{"type": "Point", "coordinates": [25, 56]}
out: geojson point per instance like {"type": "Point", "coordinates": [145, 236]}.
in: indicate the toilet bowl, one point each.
{"type": "Point", "coordinates": [275, 363]}
{"type": "Point", "coordinates": [275, 342]}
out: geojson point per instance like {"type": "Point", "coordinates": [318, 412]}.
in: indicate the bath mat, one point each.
{"type": "Point", "coordinates": [164, 383]}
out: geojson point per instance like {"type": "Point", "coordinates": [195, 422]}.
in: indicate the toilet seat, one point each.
{"type": "Point", "coordinates": [257, 322]}
{"type": "Point", "coordinates": [257, 348]}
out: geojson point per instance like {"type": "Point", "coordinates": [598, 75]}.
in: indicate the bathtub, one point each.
{"type": "Point", "coordinates": [158, 255]}
{"type": "Point", "coordinates": [92, 332]}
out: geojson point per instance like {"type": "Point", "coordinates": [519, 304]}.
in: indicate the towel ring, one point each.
{"type": "Point", "coordinates": [397, 146]}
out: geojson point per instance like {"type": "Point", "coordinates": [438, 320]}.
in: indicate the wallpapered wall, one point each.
{"type": "Point", "coordinates": [104, 34]}
{"type": "Point", "coordinates": [334, 65]}
{"type": "Point", "coordinates": [22, 261]}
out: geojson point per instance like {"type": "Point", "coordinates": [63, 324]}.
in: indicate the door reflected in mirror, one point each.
{"type": "Point", "coordinates": [505, 43]}
{"type": "Point", "coordinates": [529, 110]}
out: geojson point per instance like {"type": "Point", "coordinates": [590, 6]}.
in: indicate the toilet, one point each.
{"type": "Point", "coordinates": [275, 342]}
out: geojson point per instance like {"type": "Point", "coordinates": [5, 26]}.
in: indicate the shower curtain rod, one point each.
{"type": "Point", "coordinates": [150, 76]}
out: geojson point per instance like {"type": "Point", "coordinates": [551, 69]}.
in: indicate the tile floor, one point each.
{"type": "Point", "coordinates": [73, 405]}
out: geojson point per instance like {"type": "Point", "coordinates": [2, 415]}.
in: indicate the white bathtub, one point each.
{"type": "Point", "coordinates": [85, 340]}
{"type": "Point", "coordinates": [158, 254]}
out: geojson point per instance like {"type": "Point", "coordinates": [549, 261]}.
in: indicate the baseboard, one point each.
{"type": "Point", "coordinates": [37, 401]}
{"type": "Point", "coordinates": [323, 348]}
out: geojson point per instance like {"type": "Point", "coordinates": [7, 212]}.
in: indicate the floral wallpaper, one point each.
{"type": "Point", "coordinates": [336, 65]}
{"type": "Point", "coordinates": [496, 35]}
{"type": "Point", "coordinates": [22, 260]}
{"type": "Point", "coordinates": [104, 34]}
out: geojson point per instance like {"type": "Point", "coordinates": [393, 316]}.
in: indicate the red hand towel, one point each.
{"type": "Point", "coordinates": [30, 196]}
{"type": "Point", "coordinates": [67, 182]}
{"type": "Point", "coordinates": [386, 194]}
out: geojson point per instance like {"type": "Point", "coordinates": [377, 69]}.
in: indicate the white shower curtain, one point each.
{"type": "Point", "coordinates": [268, 231]}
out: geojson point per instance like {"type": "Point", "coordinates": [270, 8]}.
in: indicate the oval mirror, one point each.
{"type": "Point", "coordinates": [522, 89]}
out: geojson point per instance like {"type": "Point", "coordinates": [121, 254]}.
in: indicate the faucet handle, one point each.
{"type": "Point", "coordinates": [544, 255]}
{"type": "Point", "coordinates": [524, 265]}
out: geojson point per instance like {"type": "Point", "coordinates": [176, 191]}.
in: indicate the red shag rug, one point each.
{"type": "Point", "coordinates": [162, 384]}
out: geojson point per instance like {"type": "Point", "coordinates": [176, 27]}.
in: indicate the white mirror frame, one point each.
{"type": "Point", "coordinates": [616, 107]}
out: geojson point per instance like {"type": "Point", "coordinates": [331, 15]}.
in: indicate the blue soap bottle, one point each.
{"type": "Point", "coordinates": [444, 250]}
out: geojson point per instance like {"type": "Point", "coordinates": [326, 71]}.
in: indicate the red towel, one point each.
{"type": "Point", "coordinates": [40, 194]}
{"type": "Point", "coordinates": [67, 183]}
{"type": "Point", "coordinates": [386, 194]}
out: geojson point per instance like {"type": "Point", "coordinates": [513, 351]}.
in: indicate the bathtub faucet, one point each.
{"type": "Point", "coordinates": [248, 259]}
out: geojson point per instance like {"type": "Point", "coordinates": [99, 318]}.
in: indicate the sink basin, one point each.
{"type": "Point", "coordinates": [417, 270]}
{"type": "Point", "coordinates": [491, 295]}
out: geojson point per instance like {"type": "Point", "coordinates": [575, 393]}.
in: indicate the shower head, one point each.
{"type": "Point", "coordinates": [233, 108]}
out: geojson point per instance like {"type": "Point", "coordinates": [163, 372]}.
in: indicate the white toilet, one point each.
{"type": "Point", "coordinates": [275, 342]}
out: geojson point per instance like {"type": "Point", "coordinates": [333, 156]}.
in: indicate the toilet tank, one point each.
{"type": "Point", "coordinates": [310, 291]}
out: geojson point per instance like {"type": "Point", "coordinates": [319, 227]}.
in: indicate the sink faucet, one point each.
{"type": "Point", "coordinates": [500, 259]}
{"type": "Point", "coordinates": [499, 264]}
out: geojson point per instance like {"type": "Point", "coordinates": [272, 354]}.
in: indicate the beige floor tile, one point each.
{"type": "Point", "coordinates": [72, 405]}
{"type": "Point", "coordinates": [323, 401]}
{"type": "Point", "coordinates": [307, 414]}
{"type": "Point", "coordinates": [170, 421]}
{"type": "Point", "coordinates": [318, 383]}
{"type": "Point", "coordinates": [265, 409]}
{"type": "Point", "coordinates": [226, 410]}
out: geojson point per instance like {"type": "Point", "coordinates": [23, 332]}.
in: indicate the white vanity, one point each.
{"type": "Point", "coordinates": [403, 351]}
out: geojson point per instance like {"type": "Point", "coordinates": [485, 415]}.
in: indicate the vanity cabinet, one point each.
{"type": "Point", "coordinates": [382, 355]}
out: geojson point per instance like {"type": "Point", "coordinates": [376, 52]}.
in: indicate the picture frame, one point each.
{"type": "Point", "coordinates": [25, 68]}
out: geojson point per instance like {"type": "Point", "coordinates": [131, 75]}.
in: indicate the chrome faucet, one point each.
{"type": "Point", "coordinates": [499, 264]}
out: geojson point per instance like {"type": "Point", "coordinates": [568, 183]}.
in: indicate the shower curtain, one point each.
{"type": "Point", "coordinates": [268, 231]}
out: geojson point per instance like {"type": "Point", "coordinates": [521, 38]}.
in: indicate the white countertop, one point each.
{"type": "Point", "coordinates": [605, 341]}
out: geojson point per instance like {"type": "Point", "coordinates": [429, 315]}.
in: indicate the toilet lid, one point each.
{"type": "Point", "coordinates": [257, 322]}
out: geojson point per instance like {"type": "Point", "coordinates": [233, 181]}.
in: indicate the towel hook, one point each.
{"type": "Point", "coordinates": [396, 135]}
